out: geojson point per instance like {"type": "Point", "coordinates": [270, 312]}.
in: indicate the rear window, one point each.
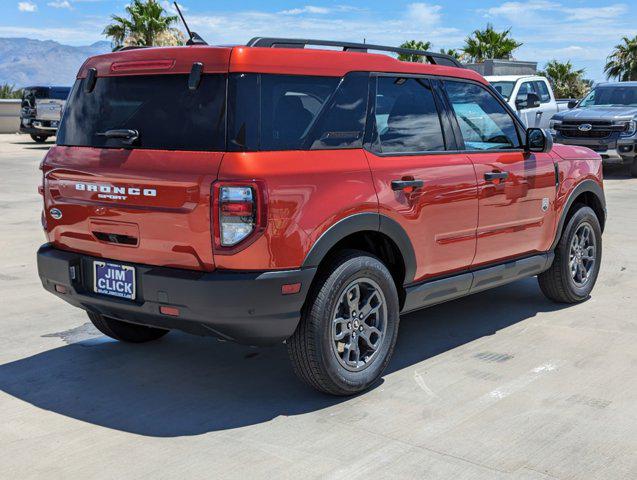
{"type": "Point", "coordinates": [294, 112]}
{"type": "Point", "coordinates": [59, 93]}
{"type": "Point", "coordinates": [167, 115]}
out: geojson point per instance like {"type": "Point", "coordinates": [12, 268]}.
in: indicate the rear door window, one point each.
{"type": "Point", "coordinates": [407, 120]}
{"type": "Point", "coordinates": [167, 115]}
{"type": "Point", "coordinates": [484, 122]}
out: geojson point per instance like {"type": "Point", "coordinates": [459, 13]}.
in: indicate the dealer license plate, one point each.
{"type": "Point", "coordinates": [114, 280]}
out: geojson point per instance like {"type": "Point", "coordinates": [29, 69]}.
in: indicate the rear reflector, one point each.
{"type": "Point", "coordinates": [172, 311]}
{"type": "Point", "coordinates": [290, 288]}
{"type": "Point", "coordinates": [61, 289]}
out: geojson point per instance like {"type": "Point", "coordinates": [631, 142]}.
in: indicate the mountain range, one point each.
{"type": "Point", "coordinates": [24, 61]}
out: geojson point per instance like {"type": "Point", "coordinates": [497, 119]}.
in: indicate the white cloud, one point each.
{"type": "Point", "coordinates": [515, 11]}
{"type": "Point", "coordinates": [596, 13]}
{"type": "Point", "coordinates": [551, 29]}
{"type": "Point", "coordinates": [60, 4]}
{"type": "Point", "coordinates": [418, 21]}
{"type": "Point", "coordinates": [71, 36]}
{"type": "Point", "coordinates": [307, 9]}
{"type": "Point", "coordinates": [27, 7]}
{"type": "Point", "coordinates": [424, 14]}
{"type": "Point", "coordinates": [169, 6]}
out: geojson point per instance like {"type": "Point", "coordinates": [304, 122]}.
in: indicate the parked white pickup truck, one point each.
{"type": "Point", "coordinates": [531, 96]}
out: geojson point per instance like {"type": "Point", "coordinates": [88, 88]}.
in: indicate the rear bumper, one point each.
{"type": "Point", "coordinates": [38, 131]}
{"type": "Point", "coordinates": [34, 126]}
{"type": "Point", "coordinates": [244, 307]}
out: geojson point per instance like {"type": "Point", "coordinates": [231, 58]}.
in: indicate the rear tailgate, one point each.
{"type": "Point", "coordinates": [143, 197]}
{"type": "Point", "coordinates": [48, 109]}
{"type": "Point", "coordinates": [141, 206]}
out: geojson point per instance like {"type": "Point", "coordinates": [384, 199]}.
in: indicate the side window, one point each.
{"type": "Point", "coordinates": [295, 112]}
{"type": "Point", "coordinates": [542, 91]}
{"type": "Point", "coordinates": [343, 123]}
{"type": "Point", "coordinates": [525, 89]}
{"type": "Point", "coordinates": [483, 121]}
{"type": "Point", "coordinates": [289, 107]}
{"type": "Point", "coordinates": [407, 119]}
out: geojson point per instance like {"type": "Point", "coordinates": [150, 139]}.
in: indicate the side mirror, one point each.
{"type": "Point", "coordinates": [538, 140]}
{"type": "Point", "coordinates": [572, 104]}
{"type": "Point", "coordinates": [532, 100]}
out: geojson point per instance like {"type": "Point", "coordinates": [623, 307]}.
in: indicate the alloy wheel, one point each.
{"type": "Point", "coordinates": [359, 324]}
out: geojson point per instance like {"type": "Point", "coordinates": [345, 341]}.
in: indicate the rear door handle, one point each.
{"type": "Point", "coordinates": [495, 175]}
{"type": "Point", "coordinates": [403, 184]}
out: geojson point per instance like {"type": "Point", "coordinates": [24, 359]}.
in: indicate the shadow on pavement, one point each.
{"type": "Point", "coordinates": [185, 385]}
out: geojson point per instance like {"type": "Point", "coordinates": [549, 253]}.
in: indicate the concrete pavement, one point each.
{"type": "Point", "coordinates": [500, 385]}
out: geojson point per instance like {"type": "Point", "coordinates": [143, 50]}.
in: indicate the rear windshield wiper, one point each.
{"type": "Point", "coordinates": [128, 137]}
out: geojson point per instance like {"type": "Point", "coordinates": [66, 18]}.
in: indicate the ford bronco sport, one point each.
{"type": "Point", "coordinates": [304, 195]}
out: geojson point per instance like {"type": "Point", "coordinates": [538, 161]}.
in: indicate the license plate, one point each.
{"type": "Point", "coordinates": [114, 280]}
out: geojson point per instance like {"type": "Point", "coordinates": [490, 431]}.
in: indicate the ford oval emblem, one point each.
{"type": "Point", "coordinates": [585, 127]}
{"type": "Point", "coordinates": [56, 213]}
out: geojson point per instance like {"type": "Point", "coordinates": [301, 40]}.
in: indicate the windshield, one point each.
{"type": "Point", "coordinates": [611, 96]}
{"type": "Point", "coordinates": [504, 88]}
{"type": "Point", "coordinates": [161, 108]}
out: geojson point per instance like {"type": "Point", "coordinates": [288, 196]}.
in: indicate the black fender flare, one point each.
{"type": "Point", "coordinates": [361, 222]}
{"type": "Point", "coordinates": [585, 186]}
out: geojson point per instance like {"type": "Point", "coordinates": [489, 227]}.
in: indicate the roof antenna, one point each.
{"type": "Point", "coordinates": [194, 38]}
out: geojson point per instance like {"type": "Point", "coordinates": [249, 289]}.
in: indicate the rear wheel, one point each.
{"type": "Point", "coordinates": [38, 138]}
{"type": "Point", "coordinates": [124, 331]}
{"type": "Point", "coordinates": [349, 326]}
{"type": "Point", "coordinates": [578, 256]}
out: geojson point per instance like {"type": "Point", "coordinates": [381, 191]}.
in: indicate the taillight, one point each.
{"type": "Point", "coordinates": [239, 215]}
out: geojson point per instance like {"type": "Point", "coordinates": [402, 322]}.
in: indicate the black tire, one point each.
{"type": "Point", "coordinates": [558, 282]}
{"type": "Point", "coordinates": [315, 351]}
{"type": "Point", "coordinates": [124, 331]}
{"type": "Point", "coordinates": [633, 168]}
{"type": "Point", "coordinates": [38, 138]}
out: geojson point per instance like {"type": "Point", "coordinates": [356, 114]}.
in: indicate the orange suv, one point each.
{"type": "Point", "coordinates": [276, 193]}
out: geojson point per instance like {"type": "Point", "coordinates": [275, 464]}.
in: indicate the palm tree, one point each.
{"type": "Point", "coordinates": [147, 25]}
{"type": "Point", "coordinates": [622, 63]}
{"type": "Point", "coordinates": [452, 52]}
{"type": "Point", "coordinates": [9, 91]}
{"type": "Point", "coordinates": [414, 45]}
{"type": "Point", "coordinates": [566, 82]}
{"type": "Point", "coordinates": [487, 44]}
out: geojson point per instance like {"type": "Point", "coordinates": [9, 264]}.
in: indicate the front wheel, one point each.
{"type": "Point", "coordinates": [578, 256]}
{"type": "Point", "coordinates": [349, 326]}
{"type": "Point", "coordinates": [124, 331]}
{"type": "Point", "coordinates": [633, 168]}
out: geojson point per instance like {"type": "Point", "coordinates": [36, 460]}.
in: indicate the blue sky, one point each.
{"type": "Point", "coordinates": [580, 30]}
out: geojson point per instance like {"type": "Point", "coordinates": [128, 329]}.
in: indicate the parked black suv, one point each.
{"type": "Point", "coordinates": [604, 121]}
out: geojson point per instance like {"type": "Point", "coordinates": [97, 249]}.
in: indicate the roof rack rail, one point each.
{"type": "Point", "coordinates": [433, 58]}
{"type": "Point", "coordinates": [122, 48]}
